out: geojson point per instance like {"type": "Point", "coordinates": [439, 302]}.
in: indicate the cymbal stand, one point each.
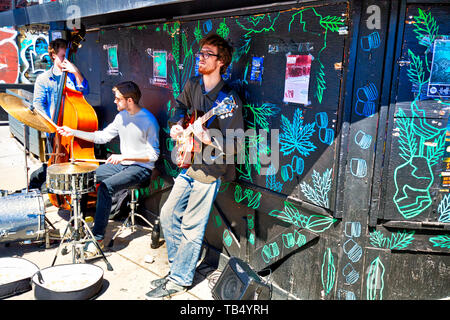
{"type": "Point", "coordinates": [80, 232]}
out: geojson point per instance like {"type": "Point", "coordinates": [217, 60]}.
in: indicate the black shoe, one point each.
{"type": "Point", "coordinates": [166, 290]}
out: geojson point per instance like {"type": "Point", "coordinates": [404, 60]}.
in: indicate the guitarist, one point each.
{"type": "Point", "coordinates": [185, 214]}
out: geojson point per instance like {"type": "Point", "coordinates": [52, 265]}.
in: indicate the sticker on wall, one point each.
{"type": "Point", "coordinates": [439, 84]}
{"type": "Point", "coordinates": [298, 68]}
{"type": "Point", "coordinates": [159, 68]}
{"type": "Point", "coordinates": [113, 60]}
{"type": "Point", "coordinates": [257, 69]}
{"type": "Point", "coordinates": [446, 159]}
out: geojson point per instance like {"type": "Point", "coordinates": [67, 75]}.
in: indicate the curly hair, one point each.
{"type": "Point", "coordinates": [225, 51]}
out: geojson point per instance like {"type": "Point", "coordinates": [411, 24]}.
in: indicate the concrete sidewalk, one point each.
{"type": "Point", "coordinates": [131, 275]}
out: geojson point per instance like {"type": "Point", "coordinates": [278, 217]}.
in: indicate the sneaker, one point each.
{"type": "Point", "coordinates": [90, 249]}
{"type": "Point", "coordinates": [156, 283]}
{"type": "Point", "coordinates": [166, 290]}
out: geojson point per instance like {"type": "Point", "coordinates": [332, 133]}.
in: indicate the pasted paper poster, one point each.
{"type": "Point", "coordinates": [159, 67]}
{"type": "Point", "coordinates": [298, 68]}
{"type": "Point", "coordinates": [257, 69]}
{"type": "Point", "coordinates": [439, 84]}
{"type": "Point", "coordinates": [113, 61]}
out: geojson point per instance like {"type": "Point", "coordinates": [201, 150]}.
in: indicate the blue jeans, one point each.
{"type": "Point", "coordinates": [113, 178]}
{"type": "Point", "coordinates": [184, 217]}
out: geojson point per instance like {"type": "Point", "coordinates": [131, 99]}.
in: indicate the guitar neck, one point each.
{"type": "Point", "coordinates": [202, 119]}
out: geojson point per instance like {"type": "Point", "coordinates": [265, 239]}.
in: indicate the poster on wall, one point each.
{"type": "Point", "coordinates": [159, 68]}
{"type": "Point", "coordinates": [257, 69]}
{"type": "Point", "coordinates": [296, 85]}
{"type": "Point", "coordinates": [439, 84]}
{"type": "Point", "coordinates": [113, 61]}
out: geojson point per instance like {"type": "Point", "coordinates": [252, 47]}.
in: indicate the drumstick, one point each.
{"type": "Point", "coordinates": [91, 160]}
{"type": "Point", "coordinates": [46, 117]}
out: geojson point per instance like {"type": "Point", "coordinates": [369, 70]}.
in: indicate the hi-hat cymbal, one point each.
{"type": "Point", "coordinates": [71, 168]}
{"type": "Point", "coordinates": [18, 109]}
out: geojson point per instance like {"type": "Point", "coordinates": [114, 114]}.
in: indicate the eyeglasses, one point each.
{"type": "Point", "coordinates": [205, 55]}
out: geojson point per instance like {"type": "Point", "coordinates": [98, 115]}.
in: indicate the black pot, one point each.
{"type": "Point", "coordinates": [15, 276]}
{"type": "Point", "coordinates": [68, 282]}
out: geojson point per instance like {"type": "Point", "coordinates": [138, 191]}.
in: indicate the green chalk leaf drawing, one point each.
{"type": "Point", "coordinates": [328, 272]}
{"type": "Point", "coordinates": [258, 24]}
{"type": "Point", "coordinates": [442, 241]}
{"type": "Point", "coordinates": [375, 280]}
{"type": "Point", "coordinates": [322, 185]}
{"type": "Point", "coordinates": [331, 23]}
{"type": "Point", "coordinates": [426, 28]}
{"type": "Point", "coordinates": [198, 32]}
{"type": "Point", "coordinates": [407, 140]}
{"type": "Point", "coordinates": [296, 136]}
{"type": "Point", "coordinates": [314, 223]}
{"type": "Point", "coordinates": [397, 241]}
{"type": "Point", "coordinates": [444, 209]}
{"type": "Point", "coordinates": [261, 114]}
{"type": "Point", "coordinates": [320, 82]}
{"type": "Point", "coordinates": [415, 72]}
{"type": "Point", "coordinates": [223, 29]}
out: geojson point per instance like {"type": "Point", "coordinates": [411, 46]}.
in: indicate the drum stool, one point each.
{"type": "Point", "coordinates": [134, 189]}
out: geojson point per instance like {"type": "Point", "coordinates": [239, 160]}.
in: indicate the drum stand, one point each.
{"type": "Point", "coordinates": [78, 235]}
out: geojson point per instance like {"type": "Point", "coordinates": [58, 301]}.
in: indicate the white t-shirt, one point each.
{"type": "Point", "coordinates": [138, 134]}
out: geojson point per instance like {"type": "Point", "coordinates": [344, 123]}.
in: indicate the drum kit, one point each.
{"type": "Point", "coordinates": [73, 178]}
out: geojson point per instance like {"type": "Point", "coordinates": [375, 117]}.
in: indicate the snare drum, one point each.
{"type": "Point", "coordinates": [22, 217]}
{"type": "Point", "coordinates": [65, 178]}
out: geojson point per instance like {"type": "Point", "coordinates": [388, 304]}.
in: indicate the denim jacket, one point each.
{"type": "Point", "coordinates": [46, 90]}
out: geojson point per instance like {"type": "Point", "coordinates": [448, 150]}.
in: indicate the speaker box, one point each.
{"type": "Point", "coordinates": [239, 282]}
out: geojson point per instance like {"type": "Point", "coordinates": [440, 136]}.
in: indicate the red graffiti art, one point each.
{"type": "Point", "coordinates": [9, 56]}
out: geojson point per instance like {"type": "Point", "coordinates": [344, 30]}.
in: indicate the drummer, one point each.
{"type": "Point", "coordinates": [46, 92]}
{"type": "Point", "coordinates": [138, 132]}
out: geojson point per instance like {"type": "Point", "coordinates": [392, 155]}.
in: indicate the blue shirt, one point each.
{"type": "Point", "coordinates": [46, 90]}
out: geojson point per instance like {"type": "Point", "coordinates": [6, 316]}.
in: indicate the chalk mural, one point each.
{"type": "Point", "coordinates": [421, 143]}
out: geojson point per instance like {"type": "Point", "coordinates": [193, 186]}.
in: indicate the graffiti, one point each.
{"type": "Point", "coordinates": [261, 114]}
{"type": "Point", "coordinates": [328, 271]}
{"type": "Point", "coordinates": [296, 167]}
{"type": "Point", "coordinates": [296, 136]}
{"type": "Point", "coordinates": [326, 135]}
{"type": "Point", "coordinates": [322, 185]}
{"type": "Point", "coordinates": [223, 29]}
{"type": "Point", "coordinates": [9, 58]}
{"type": "Point", "coordinates": [375, 280]}
{"type": "Point", "coordinates": [258, 24]}
{"type": "Point", "coordinates": [270, 252]}
{"type": "Point", "coordinates": [399, 240]}
{"type": "Point", "coordinates": [271, 181]}
{"type": "Point", "coordinates": [442, 241]}
{"type": "Point", "coordinates": [314, 223]}
{"type": "Point", "coordinates": [253, 199]}
{"type": "Point", "coordinates": [363, 139]}
{"type": "Point", "coordinates": [365, 104]}
{"type": "Point", "coordinates": [358, 167]}
{"type": "Point", "coordinates": [444, 209]}
{"type": "Point", "coordinates": [351, 276]}
{"type": "Point", "coordinates": [421, 144]}
{"type": "Point", "coordinates": [372, 41]}
{"type": "Point", "coordinates": [291, 239]}
{"type": "Point", "coordinates": [425, 28]}
{"type": "Point", "coordinates": [250, 229]}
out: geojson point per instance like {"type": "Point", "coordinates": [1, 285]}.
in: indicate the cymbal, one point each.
{"type": "Point", "coordinates": [19, 109]}
{"type": "Point", "coordinates": [71, 168]}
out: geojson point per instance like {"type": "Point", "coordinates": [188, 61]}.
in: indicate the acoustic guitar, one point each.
{"type": "Point", "coordinates": [186, 144]}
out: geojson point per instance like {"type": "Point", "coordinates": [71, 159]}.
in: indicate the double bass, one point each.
{"type": "Point", "coordinates": [72, 110]}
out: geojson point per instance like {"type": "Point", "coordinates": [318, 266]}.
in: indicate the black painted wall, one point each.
{"type": "Point", "coordinates": [326, 225]}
